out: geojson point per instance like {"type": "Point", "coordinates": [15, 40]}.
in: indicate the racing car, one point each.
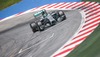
{"type": "Point", "coordinates": [44, 19]}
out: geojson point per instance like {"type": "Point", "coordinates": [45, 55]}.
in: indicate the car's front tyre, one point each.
{"type": "Point", "coordinates": [33, 27]}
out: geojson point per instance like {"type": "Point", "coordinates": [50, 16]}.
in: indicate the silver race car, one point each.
{"type": "Point", "coordinates": [46, 19]}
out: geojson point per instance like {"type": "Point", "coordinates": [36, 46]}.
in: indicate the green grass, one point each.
{"type": "Point", "coordinates": [90, 47]}
{"type": "Point", "coordinates": [92, 0]}
{"type": "Point", "coordinates": [6, 3]}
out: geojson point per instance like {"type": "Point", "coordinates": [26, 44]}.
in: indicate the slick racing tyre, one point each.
{"type": "Point", "coordinates": [62, 16]}
{"type": "Point", "coordinates": [34, 27]}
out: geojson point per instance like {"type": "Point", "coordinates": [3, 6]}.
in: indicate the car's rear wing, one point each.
{"type": "Point", "coordinates": [40, 13]}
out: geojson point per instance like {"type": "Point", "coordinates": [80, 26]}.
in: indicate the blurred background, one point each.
{"type": "Point", "coordinates": [10, 7]}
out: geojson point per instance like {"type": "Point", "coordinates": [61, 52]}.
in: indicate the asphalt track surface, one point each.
{"type": "Point", "coordinates": [18, 40]}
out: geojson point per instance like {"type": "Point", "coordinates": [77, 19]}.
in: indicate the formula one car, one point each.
{"type": "Point", "coordinates": [45, 20]}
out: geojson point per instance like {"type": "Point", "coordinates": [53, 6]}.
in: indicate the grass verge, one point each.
{"type": "Point", "coordinates": [92, 0]}
{"type": "Point", "coordinates": [6, 3]}
{"type": "Point", "coordinates": [90, 47]}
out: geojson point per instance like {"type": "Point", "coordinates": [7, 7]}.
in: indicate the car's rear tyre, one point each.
{"type": "Point", "coordinates": [62, 16]}
{"type": "Point", "coordinates": [61, 13]}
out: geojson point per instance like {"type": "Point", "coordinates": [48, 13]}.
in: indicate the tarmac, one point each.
{"type": "Point", "coordinates": [18, 40]}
